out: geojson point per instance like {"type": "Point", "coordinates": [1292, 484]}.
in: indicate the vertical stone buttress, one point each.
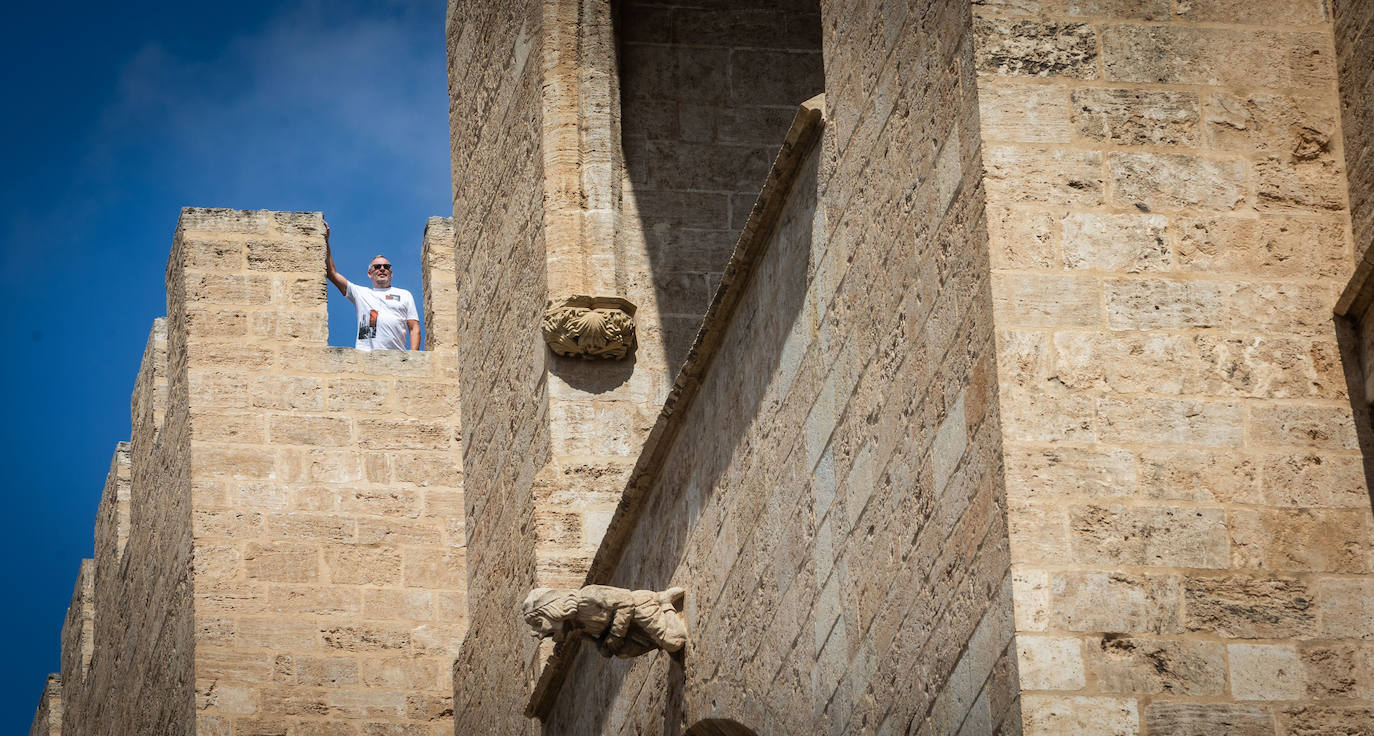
{"type": "Point", "coordinates": [1190, 518]}
{"type": "Point", "coordinates": [540, 195]}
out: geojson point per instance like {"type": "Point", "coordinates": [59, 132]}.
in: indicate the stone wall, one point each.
{"type": "Point", "coordinates": [831, 495]}
{"type": "Point", "coordinates": [1353, 22]}
{"type": "Point", "coordinates": [495, 52]}
{"type": "Point", "coordinates": [280, 547]}
{"type": "Point", "coordinates": [706, 92]}
{"type": "Point", "coordinates": [47, 719]}
{"type": "Point", "coordinates": [1190, 519]}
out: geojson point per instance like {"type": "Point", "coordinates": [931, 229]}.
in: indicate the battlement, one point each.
{"type": "Point", "coordinates": [282, 539]}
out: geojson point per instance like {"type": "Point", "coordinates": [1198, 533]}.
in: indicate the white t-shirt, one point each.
{"type": "Point", "coordinates": [382, 315]}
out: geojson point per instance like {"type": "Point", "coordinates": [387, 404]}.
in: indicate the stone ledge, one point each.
{"type": "Point", "coordinates": [753, 242]}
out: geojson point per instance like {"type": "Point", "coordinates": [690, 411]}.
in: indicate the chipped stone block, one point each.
{"type": "Point", "coordinates": [1137, 117]}
{"type": "Point", "coordinates": [1154, 182]}
{"type": "Point", "coordinates": [1124, 664]}
{"type": "Point", "coordinates": [1245, 607]}
{"type": "Point", "coordinates": [1033, 48]}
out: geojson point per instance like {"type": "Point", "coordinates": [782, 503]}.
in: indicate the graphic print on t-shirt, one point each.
{"type": "Point", "coordinates": [369, 330]}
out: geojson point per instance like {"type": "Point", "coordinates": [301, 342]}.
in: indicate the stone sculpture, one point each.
{"type": "Point", "coordinates": [591, 327]}
{"type": "Point", "coordinates": [623, 623]}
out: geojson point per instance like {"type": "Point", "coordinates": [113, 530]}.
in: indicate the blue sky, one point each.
{"type": "Point", "coordinates": [118, 116]}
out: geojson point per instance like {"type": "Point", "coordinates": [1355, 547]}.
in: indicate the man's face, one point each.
{"type": "Point", "coordinates": [380, 273]}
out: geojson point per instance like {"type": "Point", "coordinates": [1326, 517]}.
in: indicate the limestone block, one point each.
{"type": "Point", "coordinates": [1170, 422]}
{"type": "Point", "coordinates": [1345, 608]}
{"type": "Point", "coordinates": [1295, 309]}
{"type": "Point", "coordinates": [1216, 56]}
{"type": "Point", "coordinates": [1024, 358]}
{"type": "Point", "coordinates": [1115, 602]}
{"type": "Point", "coordinates": [1125, 362]}
{"type": "Point", "coordinates": [1024, 113]}
{"type": "Point", "coordinates": [1265, 672]}
{"type": "Point", "coordinates": [1059, 715]}
{"type": "Point", "coordinates": [1265, 367]}
{"type": "Point", "coordinates": [1280, 13]}
{"type": "Point", "coordinates": [1157, 304]}
{"type": "Point", "coordinates": [282, 562]}
{"type": "Point", "coordinates": [1108, 536]}
{"type": "Point", "coordinates": [1115, 9]}
{"type": "Point", "coordinates": [1032, 174]}
{"type": "Point", "coordinates": [1022, 239]}
{"type": "Point", "coordinates": [1287, 185]}
{"type": "Point", "coordinates": [1338, 670]}
{"type": "Point", "coordinates": [1199, 475]}
{"type": "Point", "coordinates": [1291, 128]}
{"type": "Point", "coordinates": [1069, 472]}
{"type": "Point", "coordinates": [213, 323]}
{"type": "Point", "coordinates": [1154, 182]}
{"type": "Point", "coordinates": [1031, 593]}
{"type": "Point", "coordinates": [1035, 300]}
{"type": "Point", "coordinates": [356, 565]}
{"type": "Point", "coordinates": [1049, 416]}
{"type": "Point", "coordinates": [1330, 427]}
{"type": "Point", "coordinates": [1334, 719]}
{"type": "Point", "coordinates": [304, 429]}
{"type": "Point", "coordinates": [1219, 719]}
{"type": "Point", "coordinates": [1124, 243]}
{"type": "Point", "coordinates": [1314, 481]}
{"type": "Point", "coordinates": [218, 288]}
{"type": "Point", "coordinates": [301, 256]}
{"type": "Point", "coordinates": [1303, 540]}
{"type": "Point", "coordinates": [1268, 246]}
{"type": "Point", "coordinates": [200, 252]}
{"type": "Point", "coordinates": [1124, 664]}
{"type": "Point", "coordinates": [287, 392]}
{"type": "Point", "coordinates": [1036, 533]}
{"type": "Point", "coordinates": [1049, 662]}
{"type": "Point", "coordinates": [1031, 48]}
{"type": "Point", "coordinates": [381, 434]}
{"type": "Point", "coordinates": [1137, 117]}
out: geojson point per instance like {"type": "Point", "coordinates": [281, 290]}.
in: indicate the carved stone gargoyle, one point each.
{"type": "Point", "coordinates": [623, 623]}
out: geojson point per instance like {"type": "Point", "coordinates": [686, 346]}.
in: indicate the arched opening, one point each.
{"type": "Point", "coordinates": [718, 727]}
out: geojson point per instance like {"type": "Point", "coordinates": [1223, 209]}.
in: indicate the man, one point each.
{"type": "Point", "coordinates": [386, 315]}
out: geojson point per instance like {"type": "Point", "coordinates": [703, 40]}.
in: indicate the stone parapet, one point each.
{"type": "Point", "coordinates": [281, 546]}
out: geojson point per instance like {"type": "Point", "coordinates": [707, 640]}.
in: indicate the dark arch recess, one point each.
{"type": "Point", "coordinates": [718, 727]}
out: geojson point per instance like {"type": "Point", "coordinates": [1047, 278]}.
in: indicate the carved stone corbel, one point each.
{"type": "Point", "coordinates": [591, 327]}
{"type": "Point", "coordinates": [622, 623]}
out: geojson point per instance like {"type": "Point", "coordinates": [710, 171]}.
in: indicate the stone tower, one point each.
{"type": "Point", "coordinates": [1000, 368]}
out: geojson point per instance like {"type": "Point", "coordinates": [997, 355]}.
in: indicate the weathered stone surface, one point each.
{"type": "Point", "coordinates": [1162, 537]}
{"type": "Point", "coordinates": [1144, 665]}
{"type": "Point", "coordinates": [1154, 182]}
{"type": "Point", "coordinates": [1120, 243]}
{"type": "Point", "coordinates": [1249, 608]}
{"type": "Point", "coordinates": [1137, 117]}
{"type": "Point", "coordinates": [1021, 174]}
{"type": "Point", "coordinates": [1114, 602]}
{"type": "Point", "coordinates": [1044, 715]}
{"type": "Point", "coordinates": [1190, 719]}
{"type": "Point", "coordinates": [1028, 48]}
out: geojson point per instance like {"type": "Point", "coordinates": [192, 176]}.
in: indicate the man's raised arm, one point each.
{"type": "Point", "coordinates": [330, 271]}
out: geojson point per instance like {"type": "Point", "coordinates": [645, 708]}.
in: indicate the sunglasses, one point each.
{"type": "Point", "coordinates": [381, 267]}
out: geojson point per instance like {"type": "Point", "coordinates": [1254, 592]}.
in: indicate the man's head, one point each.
{"type": "Point", "coordinates": [379, 270]}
